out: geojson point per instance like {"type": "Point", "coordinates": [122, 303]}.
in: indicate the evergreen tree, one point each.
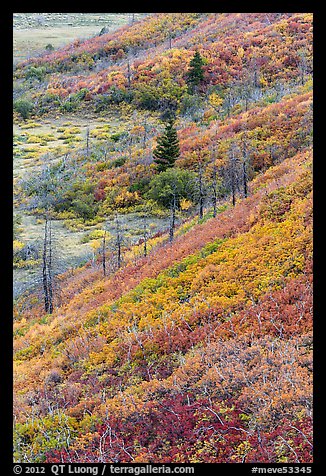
{"type": "Point", "coordinates": [195, 73]}
{"type": "Point", "coordinates": [167, 150]}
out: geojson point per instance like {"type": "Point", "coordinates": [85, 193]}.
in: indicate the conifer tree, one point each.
{"type": "Point", "coordinates": [167, 150]}
{"type": "Point", "coordinates": [195, 73]}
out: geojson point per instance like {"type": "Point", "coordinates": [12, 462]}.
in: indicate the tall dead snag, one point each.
{"type": "Point", "coordinates": [169, 188]}
{"type": "Point", "coordinates": [304, 65]}
{"type": "Point", "coordinates": [145, 124]}
{"type": "Point", "coordinates": [44, 269]}
{"type": "Point", "coordinates": [173, 208]}
{"type": "Point", "coordinates": [201, 195]}
{"type": "Point", "coordinates": [118, 241]}
{"type": "Point", "coordinates": [244, 151]}
{"type": "Point", "coordinates": [172, 36]}
{"type": "Point", "coordinates": [87, 141]}
{"type": "Point", "coordinates": [129, 74]}
{"type": "Point", "coordinates": [104, 253]}
{"type": "Point", "coordinates": [214, 187]}
{"type": "Point", "coordinates": [233, 178]}
{"type": "Point", "coordinates": [50, 277]}
{"type": "Point", "coordinates": [232, 173]}
{"type": "Point", "coordinates": [245, 156]}
{"type": "Point", "coordinates": [214, 182]}
{"type": "Point", "coordinates": [47, 267]}
{"type": "Point", "coordinates": [145, 235]}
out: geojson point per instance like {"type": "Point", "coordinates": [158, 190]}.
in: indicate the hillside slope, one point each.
{"type": "Point", "coordinates": [215, 328]}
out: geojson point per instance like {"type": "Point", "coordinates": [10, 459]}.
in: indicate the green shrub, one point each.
{"type": "Point", "coordinates": [83, 209]}
{"type": "Point", "coordinates": [36, 73]}
{"type": "Point", "coordinates": [117, 136]}
{"type": "Point", "coordinates": [24, 107]}
{"type": "Point", "coordinates": [118, 162]}
{"type": "Point", "coordinates": [102, 166]}
{"type": "Point", "coordinates": [172, 182]}
{"type": "Point", "coordinates": [141, 186]}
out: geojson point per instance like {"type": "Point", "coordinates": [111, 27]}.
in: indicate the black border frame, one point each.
{"type": "Point", "coordinates": [6, 189]}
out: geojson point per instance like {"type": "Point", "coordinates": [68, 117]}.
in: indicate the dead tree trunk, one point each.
{"type": "Point", "coordinates": [214, 190]}
{"type": "Point", "coordinates": [200, 190]}
{"type": "Point", "coordinates": [244, 170]}
{"type": "Point", "coordinates": [233, 177]}
{"type": "Point", "coordinates": [104, 254]}
{"type": "Point", "coordinates": [118, 243]}
{"type": "Point", "coordinates": [145, 237]}
{"type": "Point", "coordinates": [128, 74]}
{"type": "Point", "coordinates": [44, 269]}
{"type": "Point", "coordinates": [244, 173]}
{"type": "Point", "coordinates": [245, 165]}
{"type": "Point", "coordinates": [172, 218]}
{"type": "Point", "coordinates": [50, 280]}
{"type": "Point", "coordinates": [47, 267]}
{"type": "Point", "coordinates": [302, 66]}
{"type": "Point", "coordinates": [87, 141]}
{"type": "Point", "coordinates": [233, 189]}
{"type": "Point", "coordinates": [145, 133]}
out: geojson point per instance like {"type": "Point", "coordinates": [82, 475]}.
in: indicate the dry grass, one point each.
{"type": "Point", "coordinates": [56, 127]}
{"type": "Point", "coordinates": [33, 31]}
{"type": "Point", "coordinates": [69, 251]}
